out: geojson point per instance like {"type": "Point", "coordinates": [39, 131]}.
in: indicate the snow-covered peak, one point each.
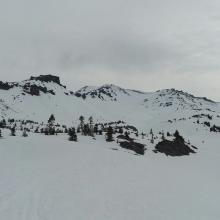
{"type": "Point", "coordinates": [106, 92]}
{"type": "Point", "coordinates": [38, 97]}
{"type": "Point", "coordinates": [177, 100]}
{"type": "Point", "coordinates": [179, 93]}
{"type": "Point", "coordinates": [35, 86]}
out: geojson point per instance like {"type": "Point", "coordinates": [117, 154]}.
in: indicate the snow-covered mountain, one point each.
{"type": "Point", "coordinates": [38, 97]}
{"type": "Point", "coordinates": [49, 177]}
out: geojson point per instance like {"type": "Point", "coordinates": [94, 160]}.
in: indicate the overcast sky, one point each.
{"type": "Point", "coordinates": [139, 44]}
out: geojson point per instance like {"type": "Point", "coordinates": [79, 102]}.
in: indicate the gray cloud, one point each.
{"type": "Point", "coordinates": [142, 44]}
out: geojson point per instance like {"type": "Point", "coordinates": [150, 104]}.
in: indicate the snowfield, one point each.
{"type": "Point", "coordinates": [51, 178]}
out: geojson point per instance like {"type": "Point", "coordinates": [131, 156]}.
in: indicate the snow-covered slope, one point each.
{"type": "Point", "coordinates": [35, 99]}
{"type": "Point", "coordinates": [48, 177]}
{"type": "Point", "coordinates": [51, 178]}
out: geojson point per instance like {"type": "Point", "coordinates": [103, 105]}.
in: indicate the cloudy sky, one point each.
{"type": "Point", "coordinates": [139, 44]}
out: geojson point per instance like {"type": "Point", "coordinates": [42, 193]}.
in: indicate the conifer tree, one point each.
{"type": "Point", "coordinates": [13, 131]}
{"type": "Point", "coordinates": [24, 134]}
{"type": "Point", "coordinates": [120, 130]}
{"type": "Point", "coordinates": [51, 122]}
{"type": "Point", "coordinates": [46, 131]}
{"type": "Point", "coordinates": [109, 134]}
{"type": "Point", "coordinates": [96, 129]}
{"type": "Point", "coordinates": [127, 135]}
{"type": "Point", "coordinates": [78, 129]}
{"type": "Point", "coordinates": [162, 135]}
{"type": "Point", "coordinates": [72, 134]}
{"type": "Point", "coordinates": [91, 126]}
{"type": "Point", "coordinates": [178, 137]}
{"type": "Point", "coordinates": [0, 133]}
{"type": "Point", "coordinates": [152, 136]}
{"type": "Point", "coordinates": [86, 129]}
{"type": "Point", "coordinates": [51, 119]}
{"type": "Point", "coordinates": [81, 118]}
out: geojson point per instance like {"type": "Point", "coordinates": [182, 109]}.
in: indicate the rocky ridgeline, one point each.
{"type": "Point", "coordinates": [47, 78]}
{"type": "Point", "coordinates": [31, 88]}
{"type": "Point", "coordinates": [7, 86]}
{"type": "Point", "coordinates": [106, 91]}
{"type": "Point", "coordinates": [179, 94]}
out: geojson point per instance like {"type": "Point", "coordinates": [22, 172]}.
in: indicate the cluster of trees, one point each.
{"type": "Point", "coordinates": [51, 129]}
{"type": "Point", "coordinates": [72, 134]}
{"type": "Point", "coordinates": [13, 132]}
{"type": "Point", "coordinates": [91, 129]}
{"type": "Point", "coordinates": [86, 129]}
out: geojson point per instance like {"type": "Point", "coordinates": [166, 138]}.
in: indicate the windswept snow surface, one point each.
{"type": "Point", "coordinates": [50, 178]}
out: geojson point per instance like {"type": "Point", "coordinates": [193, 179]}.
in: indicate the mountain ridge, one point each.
{"type": "Point", "coordinates": [39, 96]}
{"type": "Point", "coordinates": [49, 78]}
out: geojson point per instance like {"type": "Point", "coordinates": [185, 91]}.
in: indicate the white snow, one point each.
{"type": "Point", "coordinates": [51, 178]}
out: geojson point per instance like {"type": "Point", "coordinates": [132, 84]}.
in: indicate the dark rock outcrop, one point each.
{"type": "Point", "coordinates": [47, 78]}
{"type": "Point", "coordinates": [5, 86]}
{"type": "Point", "coordinates": [35, 90]}
{"type": "Point", "coordinates": [215, 128]}
{"type": "Point", "coordinates": [124, 137]}
{"type": "Point", "coordinates": [177, 147]}
{"type": "Point", "coordinates": [136, 147]}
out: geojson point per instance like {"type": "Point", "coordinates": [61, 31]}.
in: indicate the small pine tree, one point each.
{"type": "Point", "coordinates": [162, 135]}
{"type": "Point", "coordinates": [120, 131]}
{"type": "Point", "coordinates": [86, 129]}
{"type": "Point", "coordinates": [178, 137]}
{"type": "Point", "coordinates": [46, 131]}
{"type": "Point", "coordinates": [81, 118]}
{"type": "Point", "coordinates": [2, 123]}
{"type": "Point", "coordinates": [72, 134]}
{"type": "Point", "coordinates": [127, 135]}
{"type": "Point", "coordinates": [91, 126]}
{"type": "Point", "coordinates": [78, 129]}
{"type": "Point", "coordinates": [96, 129]}
{"type": "Point", "coordinates": [51, 130]}
{"type": "Point", "coordinates": [13, 131]}
{"type": "Point", "coordinates": [24, 134]}
{"type": "Point", "coordinates": [152, 136]}
{"type": "Point", "coordinates": [36, 130]}
{"type": "Point", "coordinates": [51, 119]}
{"type": "Point", "coordinates": [0, 133]}
{"type": "Point", "coordinates": [109, 134]}
{"type": "Point", "coordinates": [176, 134]}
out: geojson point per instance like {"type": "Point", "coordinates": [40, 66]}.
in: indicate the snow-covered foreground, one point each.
{"type": "Point", "coordinates": [50, 178]}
